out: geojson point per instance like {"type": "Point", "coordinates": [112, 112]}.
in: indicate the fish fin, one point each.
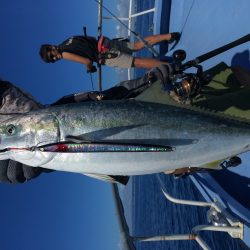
{"type": "Point", "coordinates": [100, 134]}
{"type": "Point", "coordinates": [215, 165]}
{"type": "Point", "coordinates": [160, 142]}
{"type": "Point", "coordinates": [110, 178]}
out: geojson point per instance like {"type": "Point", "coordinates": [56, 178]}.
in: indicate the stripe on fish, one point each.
{"type": "Point", "coordinates": [104, 146]}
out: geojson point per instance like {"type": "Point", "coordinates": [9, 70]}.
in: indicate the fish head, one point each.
{"type": "Point", "coordinates": [24, 132]}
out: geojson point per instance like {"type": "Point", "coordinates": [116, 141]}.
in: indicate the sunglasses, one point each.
{"type": "Point", "coordinates": [52, 54]}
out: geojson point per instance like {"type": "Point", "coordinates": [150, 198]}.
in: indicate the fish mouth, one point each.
{"type": "Point", "coordinates": [14, 145]}
{"type": "Point", "coordinates": [3, 150]}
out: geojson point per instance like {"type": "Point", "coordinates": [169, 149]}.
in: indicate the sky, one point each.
{"type": "Point", "coordinates": [57, 210]}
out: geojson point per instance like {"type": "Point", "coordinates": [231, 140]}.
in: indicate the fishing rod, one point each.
{"type": "Point", "coordinates": [215, 52]}
{"type": "Point", "coordinates": [188, 89]}
{"type": "Point", "coordinates": [94, 69]}
{"type": "Point", "coordinates": [99, 66]}
{"type": "Point", "coordinates": [137, 35]}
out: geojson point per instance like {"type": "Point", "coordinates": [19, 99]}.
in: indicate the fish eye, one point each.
{"type": "Point", "coordinates": [10, 129]}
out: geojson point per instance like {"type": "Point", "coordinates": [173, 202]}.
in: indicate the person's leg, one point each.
{"type": "Point", "coordinates": [127, 61]}
{"type": "Point", "coordinates": [147, 63]}
{"type": "Point", "coordinates": [156, 39]}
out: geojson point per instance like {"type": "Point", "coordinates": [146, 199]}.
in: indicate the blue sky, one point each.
{"type": "Point", "coordinates": [56, 210]}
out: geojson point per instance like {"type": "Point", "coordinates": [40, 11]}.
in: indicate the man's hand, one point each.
{"type": "Point", "coordinates": [91, 69]}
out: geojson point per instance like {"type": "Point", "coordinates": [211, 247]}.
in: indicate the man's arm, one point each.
{"type": "Point", "coordinates": [79, 59]}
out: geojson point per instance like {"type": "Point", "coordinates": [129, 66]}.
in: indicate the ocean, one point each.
{"type": "Point", "coordinates": [147, 211]}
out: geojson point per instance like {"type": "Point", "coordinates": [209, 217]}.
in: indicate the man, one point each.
{"type": "Point", "coordinates": [111, 52]}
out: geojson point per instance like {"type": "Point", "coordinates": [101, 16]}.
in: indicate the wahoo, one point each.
{"type": "Point", "coordinates": [121, 137]}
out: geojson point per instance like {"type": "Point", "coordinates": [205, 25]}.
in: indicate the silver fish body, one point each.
{"type": "Point", "coordinates": [196, 138]}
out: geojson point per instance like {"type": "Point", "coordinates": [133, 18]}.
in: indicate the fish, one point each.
{"type": "Point", "coordinates": [126, 137]}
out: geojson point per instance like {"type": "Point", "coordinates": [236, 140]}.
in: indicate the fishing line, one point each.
{"type": "Point", "coordinates": [162, 184]}
{"type": "Point", "coordinates": [22, 149]}
{"type": "Point", "coordinates": [192, 5]}
{"type": "Point", "coordinates": [185, 22]}
{"type": "Point", "coordinates": [147, 45]}
{"type": "Point", "coordinates": [92, 83]}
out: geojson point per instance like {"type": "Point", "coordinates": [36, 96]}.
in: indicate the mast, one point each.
{"type": "Point", "coordinates": [99, 69]}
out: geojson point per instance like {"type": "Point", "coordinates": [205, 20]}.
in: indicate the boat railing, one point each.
{"type": "Point", "coordinates": [217, 215]}
{"type": "Point", "coordinates": [221, 221]}
{"type": "Point", "coordinates": [131, 16]}
{"type": "Point", "coordinates": [219, 218]}
{"type": "Point", "coordinates": [195, 237]}
{"type": "Point", "coordinates": [99, 29]}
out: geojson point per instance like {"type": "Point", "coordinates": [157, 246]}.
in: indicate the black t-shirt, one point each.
{"type": "Point", "coordinates": [84, 46]}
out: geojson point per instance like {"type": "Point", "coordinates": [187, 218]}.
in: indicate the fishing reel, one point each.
{"type": "Point", "coordinates": [184, 86]}
{"type": "Point", "coordinates": [187, 85]}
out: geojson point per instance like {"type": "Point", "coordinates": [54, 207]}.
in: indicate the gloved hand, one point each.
{"type": "Point", "coordinates": [92, 69]}
{"type": "Point", "coordinates": [13, 172]}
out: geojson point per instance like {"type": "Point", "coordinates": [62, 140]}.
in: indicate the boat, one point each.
{"type": "Point", "coordinates": [226, 193]}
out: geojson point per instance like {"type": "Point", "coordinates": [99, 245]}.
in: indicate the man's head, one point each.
{"type": "Point", "coordinates": [50, 53]}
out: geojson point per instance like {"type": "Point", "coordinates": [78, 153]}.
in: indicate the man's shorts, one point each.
{"type": "Point", "coordinates": [122, 49]}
